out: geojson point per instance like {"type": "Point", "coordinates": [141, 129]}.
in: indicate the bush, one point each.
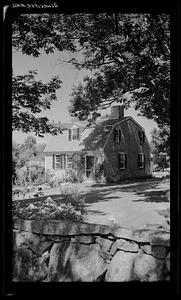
{"type": "Point", "coordinates": [30, 175]}
{"type": "Point", "coordinates": [52, 178]}
{"type": "Point", "coordinates": [71, 208]}
{"type": "Point", "coordinates": [99, 173]}
{"type": "Point", "coordinates": [72, 195]}
{"type": "Point", "coordinates": [74, 176]}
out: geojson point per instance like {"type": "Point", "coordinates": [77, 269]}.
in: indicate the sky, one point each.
{"type": "Point", "coordinates": [51, 65]}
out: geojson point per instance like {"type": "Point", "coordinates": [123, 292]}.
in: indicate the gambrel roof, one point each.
{"type": "Point", "coordinates": [92, 138]}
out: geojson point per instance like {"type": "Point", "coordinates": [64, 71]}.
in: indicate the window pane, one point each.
{"type": "Point", "coordinates": [122, 160]}
{"type": "Point", "coordinates": [69, 162]}
{"type": "Point", "coordinates": [140, 160]}
{"type": "Point", "coordinates": [116, 135]}
{"type": "Point", "coordinates": [57, 161]}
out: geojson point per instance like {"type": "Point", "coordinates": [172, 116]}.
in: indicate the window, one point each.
{"type": "Point", "coordinates": [141, 160]}
{"type": "Point", "coordinates": [141, 135]}
{"type": "Point", "coordinates": [74, 134]}
{"type": "Point", "coordinates": [117, 135]}
{"type": "Point", "coordinates": [122, 160]}
{"type": "Point", "coordinates": [69, 162]}
{"type": "Point", "coordinates": [60, 161]}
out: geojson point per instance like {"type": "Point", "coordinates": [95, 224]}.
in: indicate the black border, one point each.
{"type": "Point", "coordinates": [139, 289]}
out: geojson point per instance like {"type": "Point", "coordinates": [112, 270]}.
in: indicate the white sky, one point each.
{"type": "Point", "coordinates": [48, 66]}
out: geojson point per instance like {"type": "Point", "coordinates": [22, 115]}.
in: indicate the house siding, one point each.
{"type": "Point", "coordinates": [129, 144]}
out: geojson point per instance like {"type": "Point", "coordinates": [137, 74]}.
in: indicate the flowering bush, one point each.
{"type": "Point", "coordinates": [71, 208]}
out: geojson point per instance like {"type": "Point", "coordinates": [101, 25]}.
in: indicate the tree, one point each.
{"type": "Point", "coordinates": [127, 53]}
{"type": "Point", "coordinates": [14, 160]}
{"type": "Point", "coordinates": [23, 154]}
{"type": "Point", "coordinates": [160, 147]}
{"type": "Point", "coordinates": [29, 98]}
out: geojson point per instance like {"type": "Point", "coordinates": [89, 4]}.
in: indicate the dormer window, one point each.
{"type": "Point", "coordinates": [117, 135]}
{"type": "Point", "coordinates": [141, 136]}
{"type": "Point", "coordinates": [74, 134]}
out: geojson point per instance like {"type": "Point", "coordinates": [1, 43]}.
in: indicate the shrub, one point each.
{"type": "Point", "coordinates": [27, 175]}
{"type": "Point", "coordinates": [74, 197]}
{"type": "Point", "coordinates": [99, 173]}
{"type": "Point", "coordinates": [74, 176]}
{"type": "Point", "coordinates": [72, 207]}
{"type": "Point", "coordinates": [52, 178]}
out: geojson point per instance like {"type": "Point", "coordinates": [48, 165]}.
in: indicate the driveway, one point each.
{"type": "Point", "coordinates": [131, 205]}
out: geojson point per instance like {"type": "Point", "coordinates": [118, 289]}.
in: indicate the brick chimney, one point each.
{"type": "Point", "coordinates": [117, 112]}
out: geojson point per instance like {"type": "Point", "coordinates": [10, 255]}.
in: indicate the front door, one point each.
{"type": "Point", "coordinates": [89, 166]}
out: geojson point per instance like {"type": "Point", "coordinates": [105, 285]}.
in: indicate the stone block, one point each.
{"type": "Point", "coordinates": [124, 245]}
{"type": "Point", "coordinates": [148, 268]}
{"type": "Point", "coordinates": [146, 249]}
{"type": "Point", "coordinates": [37, 243]}
{"type": "Point", "coordinates": [75, 262]}
{"type": "Point", "coordinates": [121, 267]}
{"type": "Point", "coordinates": [113, 248]}
{"type": "Point", "coordinates": [83, 239]}
{"type": "Point", "coordinates": [106, 256]}
{"type": "Point", "coordinates": [159, 251]}
{"type": "Point", "coordinates": [104, 243]}
{"type": "Point", "coordinates": [160, 239]}
{"type": "Point", "coordinates": [28, 267]}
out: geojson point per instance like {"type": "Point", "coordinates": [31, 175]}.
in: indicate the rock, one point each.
{"type": "Point", "coordinates": [106, 256]}
{"type": "Point", "coordinates": [84, 239]}
{"type": "Point", "coordinates": [121, 267]}
{"type": "Point", "coordinates": [28, 267]}
{"type": "Point", "coordinates": [146, 249]}
{"type": "Point", "coordinates": [104, 243]}
{"type": "Point", "coordinates": [32, 241]}
{"type": "Point", "coordinates": [160, 239]}
{"type": "Point", "coordinates": [111, 237]}
{"type": "Point", "coordinates": [159, 251]}
{"type": "Point", "coordinates": [148, 268]}
{"type": "Point", "coordinates": [75, 262]}
{"type": "Point", "coordinates": [125, 246]}
{"type": "Point", "coordinates": [58, 238]}
{"type": "Point", "coordinates": [168, 262]}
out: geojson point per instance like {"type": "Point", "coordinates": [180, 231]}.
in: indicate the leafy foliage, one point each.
{"type": "Point", "coordinates": [71, 208]}
{"type": "Point", "coordinates": [127, 53]}
{"type": "Point", "coordinates": [27, 159]}
{"type": "Point", "coordinates": [160, 146]}
{"type": "Point", "coordinates": [29, 98]}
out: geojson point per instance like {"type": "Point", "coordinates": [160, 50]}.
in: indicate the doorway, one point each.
{"type": "Point", "coordinates": [89, 166]}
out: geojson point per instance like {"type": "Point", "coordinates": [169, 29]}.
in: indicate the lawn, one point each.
{"type": "Point", "coordinates": [129, 204]}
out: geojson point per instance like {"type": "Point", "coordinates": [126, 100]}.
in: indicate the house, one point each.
{"type": "Point", "coordinates": [118, 145]}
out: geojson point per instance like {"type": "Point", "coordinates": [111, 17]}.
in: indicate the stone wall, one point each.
{"type": "Point", "coordinates": [48, 251]}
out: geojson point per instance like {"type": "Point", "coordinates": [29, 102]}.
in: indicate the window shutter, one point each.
{"type": "Point", "coordinates": [119, 135]}
{"type": "Point", "coordinates": [53, 161]}
{"type": "Point", "coordinates": [69, 134]}
{"type": "Point", "coordinates": [78, 134]}
{"type": "Point", "coordinates": [125, 160]}
{"type": "Point", "coordinates": [114, 138]}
